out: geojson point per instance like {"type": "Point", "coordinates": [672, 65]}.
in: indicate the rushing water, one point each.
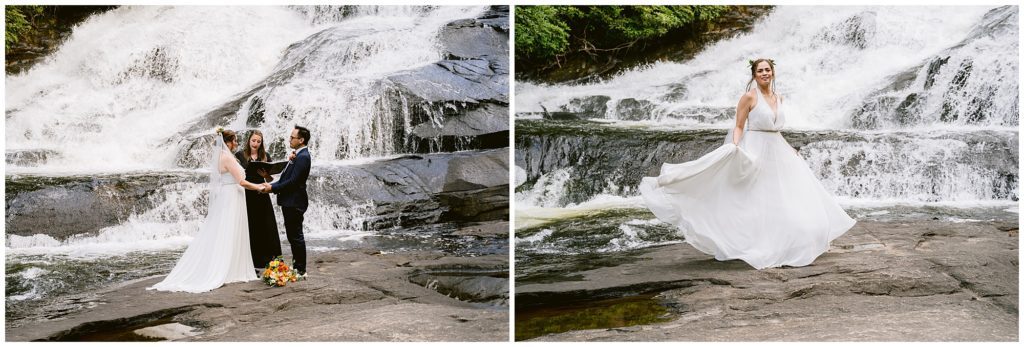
{"type": "Point", "coordinates": [892, 107]}
{"type": "Point", "coordinates": [109, 127]}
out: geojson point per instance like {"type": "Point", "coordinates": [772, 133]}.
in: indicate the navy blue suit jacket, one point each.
{"type": "Point", "coordinates": [291, 187]}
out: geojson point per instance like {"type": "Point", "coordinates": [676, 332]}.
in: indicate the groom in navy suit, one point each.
{"type": "Point", "coordinates": [291, 194]}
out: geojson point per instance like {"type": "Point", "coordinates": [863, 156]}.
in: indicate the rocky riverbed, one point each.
{"type": "Point", "coordinates": [350, 295]}
{"type": "Point", "coordinates": [885, 280]}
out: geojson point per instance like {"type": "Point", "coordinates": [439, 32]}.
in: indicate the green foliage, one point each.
{"type": "Point", "coordinates": [539, 32]}
{"type": "Point", "coordinates": [546, 31]}
{"type": "Point", "coordinates": [18, 22]}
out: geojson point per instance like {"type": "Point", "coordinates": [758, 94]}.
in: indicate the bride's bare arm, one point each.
{"type": "Point", "coordinates": [742, 111]}
{"type": "Point", "coordinates": [228, 162]}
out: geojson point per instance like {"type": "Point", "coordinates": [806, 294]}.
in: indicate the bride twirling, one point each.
{"type": "Point", "coordinates": [219, 253]}
{"type": "Point", "coordinates": [753, 198]}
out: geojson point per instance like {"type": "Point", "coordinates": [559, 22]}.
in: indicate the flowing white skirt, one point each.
{"type": "Point", "coordinates": [758, 202]}
{"type": "Point", "coordinates": [219, 253]}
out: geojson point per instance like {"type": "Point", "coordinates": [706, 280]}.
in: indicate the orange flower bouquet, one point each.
{"type": "Point", "coordinates": [278, 274]}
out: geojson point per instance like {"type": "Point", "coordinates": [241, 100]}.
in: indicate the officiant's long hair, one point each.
{"type": "Point", "coordinates": [247, 152]}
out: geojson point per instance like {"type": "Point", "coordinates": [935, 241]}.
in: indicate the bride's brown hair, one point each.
{"type": "Point", "coordinates": [227, 135]}
{"type": "Point", "coordinates": [753, 71]}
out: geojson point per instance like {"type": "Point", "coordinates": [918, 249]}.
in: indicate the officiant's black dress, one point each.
{"type": "Point", "coordinates": [263, 240]}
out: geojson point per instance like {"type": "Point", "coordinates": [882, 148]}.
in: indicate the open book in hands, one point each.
{"type": "Point", "coordinates": [271, 168]}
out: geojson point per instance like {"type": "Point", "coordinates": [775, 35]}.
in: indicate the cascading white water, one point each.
{"type": "Point", "coordinates": [916, 104]}
{"type": "Point", "coordinates": [129, 79]}
{"type": "Point", "coordinates": [336, 82]}
{"type": "Point", "coordinates": [825, 68]}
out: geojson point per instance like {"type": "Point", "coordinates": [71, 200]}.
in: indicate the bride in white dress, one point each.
{"type": "Point", "coordinates": [219, 253]}
{"type": "Point", "coordinates": [753, 198]}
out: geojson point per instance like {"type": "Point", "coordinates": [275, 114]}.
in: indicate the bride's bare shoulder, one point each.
{"type": "Point", "coordinates": [748, 98]}
{"type": "Point", "coordinates": [226, 157]}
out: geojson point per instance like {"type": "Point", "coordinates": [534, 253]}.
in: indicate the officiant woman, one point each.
{"type": "Point", "coordinates": [263, 238]}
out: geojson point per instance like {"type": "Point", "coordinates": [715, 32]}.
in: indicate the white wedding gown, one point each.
{"type": "Point", "coordinates": [758, 202]}
{"type": "Point", "coordinates": [219, 253]}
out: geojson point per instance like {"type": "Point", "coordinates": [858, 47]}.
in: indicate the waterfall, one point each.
{"type": "Point", "coordinates": [134, 75]}
{"type": "Point", "coordinates": [888, 105]}
{"type": "Point", "coordinates": [136, 89]}
{"type": "Point", "coordinates": [335, 84]}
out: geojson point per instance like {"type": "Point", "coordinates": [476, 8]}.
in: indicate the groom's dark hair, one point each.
{"type": "Point", "coordinates": [304, 134]}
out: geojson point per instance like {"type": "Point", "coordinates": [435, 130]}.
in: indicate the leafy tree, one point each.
{"type": "Point", "coordinates": [539, 31]}
{"type": "Point", "coordinates": [544, 32]}
{"type": "Point", "coordinates": [19, 21]}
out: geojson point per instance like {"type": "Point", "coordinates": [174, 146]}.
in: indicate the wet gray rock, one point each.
{"type": "Point", "coordinates": [349, 296]}
{"type": "Point", "coordinates": [855, 31]}
{"type": "Point", "coordinates": [633, 109]}
{"type": "Point", "coordinates": [486, 204]}
{"type": "Point", "coordinates": [495, 17]}
{"type": "Point", "coordinates": [589, 107]}
{"type": "Point", "coordinates": [487, 119]}
{"type": "Point", "coordinates": [483, 171]}
{"type": "Point", "coordinates": [74, 205]}
{"type": "Point", "coordinates": [416, 190]}
{"type": "Point", "coordinates": [604, 158]}
{"type": "Point", "coordinates": [882, 281]}
{"type": "Point", "coordinates": [31, 157]}
{"type": "Point", "coordinates": [476, 38]}
{"type": "Point", "coordinates": [463, 81]}
{"type": "Point", "coordinates": [481, 285]}
{"type": "Point", "coordinates": [407, 191]}
{"type": "Point", "coordinates": [471, 83]}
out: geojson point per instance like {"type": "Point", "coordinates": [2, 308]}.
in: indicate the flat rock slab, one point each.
{"type": "Point", "coordinates": [882, 281]}
{"type": "Point", "coordinates": [352, 295]}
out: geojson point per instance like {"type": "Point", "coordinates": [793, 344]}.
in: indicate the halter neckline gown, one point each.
{"type": "Point", "coordinates": [758, 202]}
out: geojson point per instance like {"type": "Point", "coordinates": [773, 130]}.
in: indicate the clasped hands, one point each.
{"type": "Point", "coordinates": [264, 188]}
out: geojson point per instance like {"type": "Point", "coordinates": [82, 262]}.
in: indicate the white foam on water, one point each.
{"type": "Point", "coordinates": [538, 237]}
{"type": "Point", "coordinates": [962, 220]}
{"type": "Point", "coordinates": [111, 241]}
{"type": "Point", "coordinates": [321, 249]}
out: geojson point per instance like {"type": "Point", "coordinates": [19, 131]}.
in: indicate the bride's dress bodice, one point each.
{"type": "Point", "coordinates": [761, 118]}
{"type": "Point", "coordinates": [227, 179]}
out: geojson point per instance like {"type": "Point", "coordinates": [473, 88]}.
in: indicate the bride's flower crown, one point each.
{"type": "Point", "coordinates": [750, 63]}
{"type": "Point", "coordinates": [220, 131]}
